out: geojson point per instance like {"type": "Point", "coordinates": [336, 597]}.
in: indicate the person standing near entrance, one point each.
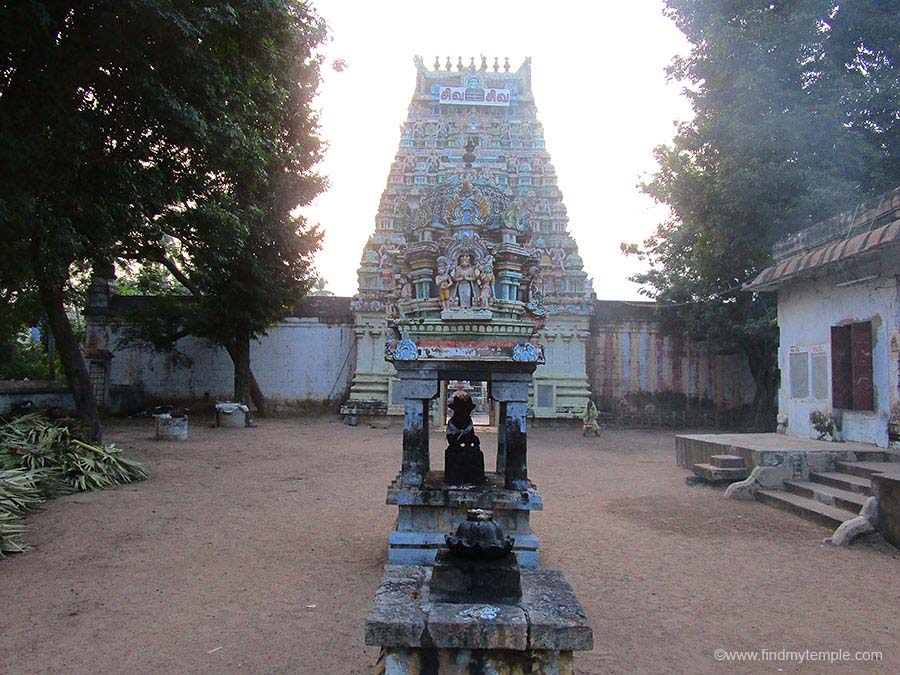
{"type": "Point", "coordinates": [590, 420]}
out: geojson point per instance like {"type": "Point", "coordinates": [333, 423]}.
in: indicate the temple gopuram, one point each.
{"type": "Point", "coordinates": [471, 243]}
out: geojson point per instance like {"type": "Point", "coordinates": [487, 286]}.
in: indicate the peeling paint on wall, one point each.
{"type": "Point", "coordinates": [634, 366]}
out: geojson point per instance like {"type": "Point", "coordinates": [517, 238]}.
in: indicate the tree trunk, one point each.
{"type": "Point", "coordinates": [763, 366]}
{"type": "Point", "coordinates": [241, 358]}
{"type": "Point", "coordinates": [51, 356]}
{"type": "Point", "coordinates": [256, 394]}
{"type": "Point", "coordinates": [259, 400]}
{"type": "Point", "coordinates": [70, 355]}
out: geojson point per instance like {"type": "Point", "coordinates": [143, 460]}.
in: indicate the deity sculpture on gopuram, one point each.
{"type": "Point", "coordinates": [471, 238]}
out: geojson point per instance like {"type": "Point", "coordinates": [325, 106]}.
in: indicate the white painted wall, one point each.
{"type": "Point", "coordinates": [806, 312]}
{"type": "Point", "coordinates": [300, 361]}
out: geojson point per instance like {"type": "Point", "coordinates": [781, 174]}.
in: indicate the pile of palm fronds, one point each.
{"type": "Point", "coordinates": [19, 493]}
{"type": "Point", "coordinates": [40, 459]}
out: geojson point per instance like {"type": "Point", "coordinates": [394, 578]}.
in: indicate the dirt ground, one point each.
{"type": "Point", "coordinates": [259, 551]}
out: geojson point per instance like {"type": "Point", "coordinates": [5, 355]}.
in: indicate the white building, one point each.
{"type": "Point", "coordinates": [839, 321]}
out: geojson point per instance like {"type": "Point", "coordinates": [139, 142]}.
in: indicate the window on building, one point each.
{"type": "Point", "coordinates": [97, 374]}
{"type": "Point", "coordinates": [798, 367]}
{"type": "Point", "coordinates": [820, 376]}
{"type": "Point", "coordinates": [545, 395]}
{"type": "Point", "coordinates": [851, 367]}
{"type": "Point", "coordinates": [396, 392]}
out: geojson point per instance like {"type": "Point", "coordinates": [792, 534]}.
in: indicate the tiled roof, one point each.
{"type": "Point", "coordinates": [838, 239]}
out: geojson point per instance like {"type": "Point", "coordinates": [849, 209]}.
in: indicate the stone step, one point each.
{"type": "Point", "coordinates": [826, 494]}
{"type": "Point", "coordinates": [877, 455]}
{"type": "Point", "coordinates": [717, 474]}
{"type": "Point", "coordinates": [866, 469]}
{"type": "Point", "coordinates": [829, 516]}
{"type": "Point", "coordinates": [728, 461]}
{"type": "Point", "coordinates": [843, 481]}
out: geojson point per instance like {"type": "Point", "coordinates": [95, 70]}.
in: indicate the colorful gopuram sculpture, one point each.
{"type": "Point", "coordinates": [472, 228]}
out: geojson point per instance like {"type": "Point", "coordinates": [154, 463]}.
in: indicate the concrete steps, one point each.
{"type": "Point", "coordinates": [826, 494]}
{"type": "Point", "coordinates": [865, 469]}
{"type": "Point", "coordinates": [727, 462]}
{"type": "Point", "coordinates": [720, 469]}
{"type": "Point", "coordinates": [831, 497]}
{"type": "Point", "coordinates": [829, 516]}
{"type": "Point", "coordinates": [842, 481]}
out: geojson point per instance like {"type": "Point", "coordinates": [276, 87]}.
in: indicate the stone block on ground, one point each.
{"type": "Point", "coordinates": [395, 618]}
{"type": "Point", "coordinates": [170, 428]}
{"type": "Point", "coordinates": [716, 474]}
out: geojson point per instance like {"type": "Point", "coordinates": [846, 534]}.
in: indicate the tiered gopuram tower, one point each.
{"type": "Point", "coordinates": [471, 239]}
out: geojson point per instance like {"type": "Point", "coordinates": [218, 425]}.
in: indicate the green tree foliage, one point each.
{"type": "Point", "coordinates": [797, 117]}
{"type": "Point", "coordinates": [147, 279]}
{"type": "Point", "coordinates": [131, 126]}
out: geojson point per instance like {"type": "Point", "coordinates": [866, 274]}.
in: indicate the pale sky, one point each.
{"type": "Point", "coordinates": [599, 86]}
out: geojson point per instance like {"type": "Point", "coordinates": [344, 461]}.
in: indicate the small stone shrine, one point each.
{"type": "Point", "coordinates": [432, 503]}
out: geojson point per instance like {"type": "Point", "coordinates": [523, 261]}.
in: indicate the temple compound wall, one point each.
{"type": "Point", "coordinates": [308, 360]}
{"type": "Point", "coordinates": [636, 369]}
{"type": "Point", "coordinates": [305, 360]}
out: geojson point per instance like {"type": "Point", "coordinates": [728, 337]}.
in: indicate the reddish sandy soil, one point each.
{"type": "Point", "coordinates": [259, 550]}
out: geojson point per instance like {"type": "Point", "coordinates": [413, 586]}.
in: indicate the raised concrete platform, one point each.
{"type": "Point", "coordinates": [822, 481]}
{"type": "Point", "coordinates": [772, 449]}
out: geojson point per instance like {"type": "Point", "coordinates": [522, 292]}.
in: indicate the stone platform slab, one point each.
{"type": "Point", "coordinates": [403, 661]}
{"type": "Point", "coordinates": [545, 626]}
{"type": "Point", "coordinates": [490, 495]}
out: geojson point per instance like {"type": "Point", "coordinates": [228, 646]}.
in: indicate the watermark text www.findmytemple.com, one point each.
{"type": "Point", "coordinates": [797, 656]}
